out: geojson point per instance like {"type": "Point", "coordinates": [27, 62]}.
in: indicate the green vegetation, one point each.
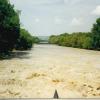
{"type": "Point", "coordinates": [25, 40]}
{"type": "Point", "coordinates": [89, 40]}
{"type": "Point", "coordinates": [36, 40]}
{"type": "Point", "coordinates": [77, 40]}
{"type": "Point", "coordinates": [96, 34]}
{"type": "Point", "coordinates": [54, 39]}
{"type": "Point", "coordinates": [9, 26]}
{"type": "Point", "coordinates": [11, 34]}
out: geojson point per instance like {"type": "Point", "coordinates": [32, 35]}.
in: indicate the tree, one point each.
{"type": "Point", "coordinates": [25, 40]}
{"type": "Point", "coordinates": [53, 39]}
{"type": "Point", "coordinates": [77, 40]}
{"type": "Point", "coordinates": [36, 39]}
{"type": "Point", "coordinates": [9, 26]}
{"type": "Point", "coordinates": [85, 40]}
{"type": "Point", "coordinates": [96, 34]}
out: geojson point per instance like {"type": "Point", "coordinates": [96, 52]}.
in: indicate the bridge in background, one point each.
{"type": "Point", "coordinates": [41, 42]}
{"type": "Point", "coordinates": [44, 39]}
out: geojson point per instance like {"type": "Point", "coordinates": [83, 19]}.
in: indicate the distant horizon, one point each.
{"type": "Point", "coordinates": [59, 34]}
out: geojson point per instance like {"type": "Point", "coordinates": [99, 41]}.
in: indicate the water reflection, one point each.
{"type": "Point", "coordinates": [17, 54]}
{"type": "Point", "coordinates": [20, 55]}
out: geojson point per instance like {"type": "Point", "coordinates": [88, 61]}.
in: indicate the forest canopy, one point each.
{"type": "Point", "coordinates": [9, 26]}
{"type": "Point", "coordinates": [85, 40]}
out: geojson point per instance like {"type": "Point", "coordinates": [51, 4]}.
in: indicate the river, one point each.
{"type": "Point", "coordinates": [37, 73]}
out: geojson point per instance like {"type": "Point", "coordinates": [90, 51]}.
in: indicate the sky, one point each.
{"type": "Point", "coordinates": [47, 17]}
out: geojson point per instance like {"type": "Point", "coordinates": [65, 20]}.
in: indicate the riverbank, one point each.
{"type": "Point", "coordinates": [75, 73]}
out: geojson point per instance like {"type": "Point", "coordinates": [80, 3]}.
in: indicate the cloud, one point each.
{"type": "Point", "coordinates": [56, 16]}
{"type": "Point", "coordinates": [37, 20]}
{"type": "Point", "coordinates": [58, 20]}
{"type": "Point", "coordinates": [96, 11]}
{"type": "Point", "coordinates": [76, 22]}
{"type": "Point", "coordinates": [36, 2]}
{"type": "Point", "coordinates": [73, 2]}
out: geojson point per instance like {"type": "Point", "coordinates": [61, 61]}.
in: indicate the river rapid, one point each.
{"type": "Point", "coordinates": [37, 73]}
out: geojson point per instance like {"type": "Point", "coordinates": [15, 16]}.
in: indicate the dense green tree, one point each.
{"type": "Point", "coordinates": [36, 39]}
{"type": "Point", "coordinates": [25, 40]}
{"type": "Point", "coordinates": [96, 34]}
{"type": "Point", "coordinates": [77, 40]}
{"type": "Point", "coordinates": [90, 40]}
{"type": "Point", "coordinates": [53, 39]}
{"type": "Point", "coordinates": [87, 43]}
{"type": "Point", "coordinates": [9, 26]}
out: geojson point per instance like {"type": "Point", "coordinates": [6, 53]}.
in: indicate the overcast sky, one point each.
{"type": "Point", "coordinates": [46, 17]}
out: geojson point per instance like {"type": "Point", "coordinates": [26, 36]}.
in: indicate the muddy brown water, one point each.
{"type": "Point", "coordinates": [37, 73]}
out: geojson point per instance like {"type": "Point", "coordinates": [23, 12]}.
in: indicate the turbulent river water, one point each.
{"type": "Point", "coordinates": [37, 73]}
